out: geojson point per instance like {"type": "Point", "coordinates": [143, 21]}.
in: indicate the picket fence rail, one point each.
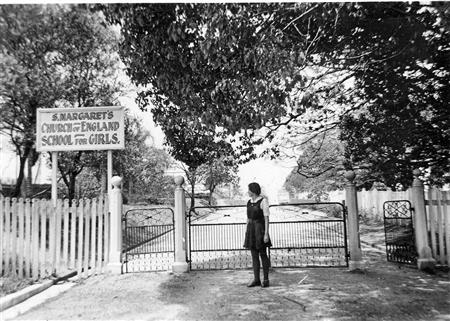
{"type": "Point", "coordinates": [437, 205]}
{"type": "Point", "coordinates": [39, 240]}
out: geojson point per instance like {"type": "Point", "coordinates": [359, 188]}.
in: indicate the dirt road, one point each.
{"type": "Point", "coordinates": [382, 291]}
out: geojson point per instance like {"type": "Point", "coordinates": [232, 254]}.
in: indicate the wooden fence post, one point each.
{"type": "Point", "coordinates": [351, 201]}
{"type": "Point", "coordinates": [180, 265]}
{"type": "Point", "coordinates": [115, 208]}
{"type": "Point", "coordinates": [425, 259]}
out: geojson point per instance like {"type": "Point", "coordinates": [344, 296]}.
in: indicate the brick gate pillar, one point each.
{"type": "Point", "coordinates": [351, 201]}
{"type": "Point", "coordinates": [425, 259]}
{"type": "Point", "coordinates": [115, 240]}
{"type": "Point", "coordinates": [180, 265]}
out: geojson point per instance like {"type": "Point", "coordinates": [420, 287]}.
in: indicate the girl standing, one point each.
{"type": "Point", "coordinates": [257, 234]}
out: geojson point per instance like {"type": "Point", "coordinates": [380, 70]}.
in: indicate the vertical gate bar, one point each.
{"type": "Point", "coordinates": [344, 219]}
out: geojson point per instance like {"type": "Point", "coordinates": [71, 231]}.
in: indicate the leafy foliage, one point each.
{"type": "Point", "coordinates": [29, 77]}
{"type": "Point", "coordinates": [239, 67]}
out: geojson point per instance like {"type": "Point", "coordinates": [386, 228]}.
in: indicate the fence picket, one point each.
{"type": "Point", "coordinates": [58, 215]}
{"type": "Point", "coordinates": [440, 227]}
{"type": "Point", "coordinates": [65, 246]}
{"type": "Point", "coordinates": [13, 235]}
{"type": "Point", "coordinates": [38, 239]}
{"type": "Point", "coordinates": [93, 233]}
{"type": "Point", "coordinates": [87, 219]}
{"type": "Point", "coordinates": [101, 235]}
{"type": "Point", "coordinates": [28, 253]}
{"type": "Point", "coordinates": [73, 234]}
{"type": "Point", "coordinates": [445, 199]}
{"type": "Point", "coordinates": [20, 250]}
{"type": "Point", "coordinates": [43, 231]}
{"type": "Point", "coordinates": [432, 219]}
{"type": "Point", "coordinates": [35, 210]}
{"type": "Point", "coordinates": [2, 232]}
{"type": "Point", "coordinates": [51, 210]}
{"type": "Point", "coordinates": [80, 237]}
{"type": "Point", "coordinates": [106, 236]}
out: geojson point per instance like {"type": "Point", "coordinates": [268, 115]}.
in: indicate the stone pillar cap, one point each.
{"type": "Point", "coordinates": [179, 180]}
{"type": "Point", "coordinates": [350, 175]}
{"type": "Point", "coordinates": [116, 181]}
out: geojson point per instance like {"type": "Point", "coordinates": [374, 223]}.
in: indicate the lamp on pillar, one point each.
{"type": "Point", "coordinates": [351, 201]}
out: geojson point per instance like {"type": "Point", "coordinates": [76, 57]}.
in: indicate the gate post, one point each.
{"type": "Point", "coordinates": [180, 264]}
{"type": "Point", "coordinates": [351, 201]}
{"type": "Point", "coordinates": [115, 241]}
{"type": "Point", "coordinates": [425, 259]}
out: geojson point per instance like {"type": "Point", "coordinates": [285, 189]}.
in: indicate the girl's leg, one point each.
{"type": "Point", "coordinates": [256, 265]}
{"type": "Point", "coordinates": [265, 262]}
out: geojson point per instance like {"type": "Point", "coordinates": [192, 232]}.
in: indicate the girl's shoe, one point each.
{"type": "Point", "coordinates": [265, 284]}
{"type": "Point", "coordinates": [254, 283]}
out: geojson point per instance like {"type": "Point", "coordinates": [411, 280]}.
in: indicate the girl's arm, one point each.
{"type": "Point", "coordinates": [265, 208]}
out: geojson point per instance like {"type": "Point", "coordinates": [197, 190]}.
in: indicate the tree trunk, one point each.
{"type": "Point", "coordinates": [192, 196]}
{"type": "Point", "coordinates": [19, 181]}
{"type": "Point", "coordinates": [29, 179]}
{"type": "Point", "coordinates": [71, 187]}
{"type": "Point", "coordinates": [103, 189]}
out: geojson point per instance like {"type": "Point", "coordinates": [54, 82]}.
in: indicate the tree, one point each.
{"type": "Point", "coordinates": [217, 173]}
{"type": "Point", "coordinates": [29, 75]}
{"type": "Point", "coordinates": [404, 124]}
{"type": "Point", "coordinates": [319, 166]}
{"type": "Point", "coordinates": [239, 67]}
{"type": "Point", "coordinates": [89, 59]}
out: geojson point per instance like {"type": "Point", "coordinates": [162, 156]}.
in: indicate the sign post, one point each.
{"type": "Point", "coordinates": [75, 129]}
{"type": "Point", "coordinates": [54, 181]}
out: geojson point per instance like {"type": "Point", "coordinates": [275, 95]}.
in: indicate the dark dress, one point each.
{"type": "Point", "coordinates": [254, 236]}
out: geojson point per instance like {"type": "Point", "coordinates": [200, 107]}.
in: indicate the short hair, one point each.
{"type": "Point", "coordinates": [254, 188]}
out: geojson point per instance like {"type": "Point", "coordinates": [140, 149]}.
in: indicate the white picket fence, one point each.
{"type": "Point", "coordinates": [437, 205]}
{"type": "Point", "coordinates": [39, 240]}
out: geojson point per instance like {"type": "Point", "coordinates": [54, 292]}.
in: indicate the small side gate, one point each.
{"type": "Point", "coordinates": [148, 240]}
{"type": "Point", "coordinates": [399, 232]}
{"type": "Point", "coordinates": [302, 234]}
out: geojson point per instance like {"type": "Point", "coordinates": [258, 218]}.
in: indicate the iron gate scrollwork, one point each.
{"type": "Point", "coordinates": [148, 240]}
{"type": "Point", "coordinates": [399, 232]}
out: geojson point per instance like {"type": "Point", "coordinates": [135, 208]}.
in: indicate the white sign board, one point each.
{"type": "Point", "coordinates": [71, 129]}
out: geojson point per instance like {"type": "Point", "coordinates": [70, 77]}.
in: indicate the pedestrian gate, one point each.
{"type": "Point", "coordinates": [148, 240]}
{"type": "Point", "coordinates": [399, 232]}
{"type": "Point", "coordinates": [302, 234]}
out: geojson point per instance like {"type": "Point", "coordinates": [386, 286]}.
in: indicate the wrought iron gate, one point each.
{"type": "Point", "coordinates": [302, 234]}
{"type": "Point", "coordinates": [399, 232]}
{"type": "Point", "coordinates": [148, 240]}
